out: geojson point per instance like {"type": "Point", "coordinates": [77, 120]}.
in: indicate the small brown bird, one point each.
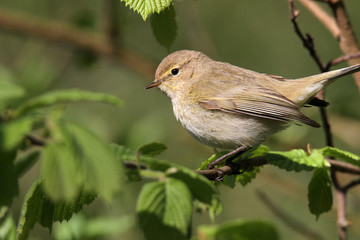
{"type": "Point", "coordinates": [228, 107]}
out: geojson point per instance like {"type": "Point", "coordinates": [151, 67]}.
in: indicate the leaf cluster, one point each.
{"type": "Point", "coordinates": [76, 165]}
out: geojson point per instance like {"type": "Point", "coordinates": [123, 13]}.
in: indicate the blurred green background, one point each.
{"type": "Point", "coordinates": [257, 35]}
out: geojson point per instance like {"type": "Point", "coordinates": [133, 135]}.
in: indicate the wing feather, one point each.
{"type": "Point", "coordinates": [266, 103]}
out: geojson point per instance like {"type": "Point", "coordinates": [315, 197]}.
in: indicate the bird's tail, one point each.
{"type": "Point", "coordinates": [317, 82]}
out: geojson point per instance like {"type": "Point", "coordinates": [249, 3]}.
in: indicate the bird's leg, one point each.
{"type": "Point", "coordinates": [231, 155]}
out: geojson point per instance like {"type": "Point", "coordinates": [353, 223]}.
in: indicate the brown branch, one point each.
{"type": "Point", "coordinates": [349, 46]}
{"type": "Point", "coordinates": [287, 219]}
{"type": "Point", "coordinates": [342, 222]}
{"type": "Point", "coordinates": [343, 167]}
{"type": "Point", "coordinates": [306, 39]}
{"type": "Point", "coordinates": [347, 40]}
{"type": "Point", "coordinates": [342, 59]}
{"type": "Point", "coordinates": [327, 20]}
{"type": "Point", "coordinates": [233, 168]}
{"type": "Point", "coordinates": [325, 123]}
{"type": "Point", "coordinates": [236, 168]}
{"type": "Point", "coordinates": [35, 141]}
{"type": "Point", "coordinates": [351, 184]}
{"type": "Point", "coordinates": [134, 165]}
{"type": "Point", "coordinates": [55, 32]}
{"type": "Point", "coordinates": [111, 26]}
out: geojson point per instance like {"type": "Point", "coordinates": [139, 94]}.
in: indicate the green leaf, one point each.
{"type": "Point", "coordinates": [164, 210]}
{"type": "Point", "coordinates": [319, 192]}
{"type": "Point", "coordinates": [295, 160]}
{"type": "Point", "coordinates": [201, 188]}
{"type": "Point", "coordinates": [123, 153]}
{"type": "Point", "coordinates": [83, 227]}
{"type": "Point", "coordinates": [9, 187]}
{"type": "Point", "coordinates": [60, 172]}
{"type": "Point", "coordinates": [257, 152]}
{"type": "Point", "coordinates": [152, 149]}
{"type": "Point", "coordinates": [79, 158]}
{"type": "Point", "coordinates": [65, 96]}
{"type": "Point", "coordinates": [341, 155]}
{"type": "Point", "coordinates": [239, 229]}
{"type": "Point", "coordinates": [38, 208]}
{"type": "Point", "coordinates": [13, 132]}
{"type": "Point", "coordinates": [164, 26]}
{"type": "Point", "coordinates": [7, 224]}
{"type": "Point", "coordinates": [229, 180]}
{"type": "Point", "coordinates": [147, 7]}
{"type": "Point", "coordinates": [247, 176]}
{"type": "Point", "coordinates": [8, 89]}
{"type": "Point", "coordinates": [65, 210]}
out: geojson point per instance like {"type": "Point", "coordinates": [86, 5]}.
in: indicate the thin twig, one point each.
{"type": "Point", "coordinates": [343, 167]}
{"type": "Point", "coordinates": [111, 26]}
{"type": "Point", "coordinates": [55, 32]}
{"type": "Point", "coordinates": [351, 184]}
{"type": "Point", "coordinates": [327, 20]}
{"type": "Point", "coordinates": [350, 48]}
{"type": "Point", "coordinates": [342, 59]}
{"type": "Point", "coordinates": [233, 169]}
{"type": "Point", "coordinates": [134, 165]}
{"type": "Point", "coordinates": [347, 40]}
{"type": "Point", "coordinates": [306, 39]}
{"type": "Point", "coordinates": [35, 141]}
{"type": "Point", "coordinates": [287, 219]}
{"type": "Point", "coordinates": [236, 168]}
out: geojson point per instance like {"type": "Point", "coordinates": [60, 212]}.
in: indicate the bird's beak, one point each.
{"type": "Point", "coordinates": [153, 84]}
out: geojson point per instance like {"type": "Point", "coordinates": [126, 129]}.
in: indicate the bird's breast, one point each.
{"type": "Point", "coordinates": [221, 129]}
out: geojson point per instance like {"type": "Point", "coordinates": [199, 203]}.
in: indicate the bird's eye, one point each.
{"type": "Point", "coordinates": [175, 71]}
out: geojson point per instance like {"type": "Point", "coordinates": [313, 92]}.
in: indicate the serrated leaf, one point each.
{"type": "Point", "coordinates": [164, 26]}
{"type": "Point", "coordinates": [152, 149]}
{"type": "Point", "coordinates": [147, 7]}
{"type": "Point", "coordinates": [294, 160]}
{"type": "Point", "coordinates": [319, 192]}
{"type": "Point", "coordinates": [164, 210]}
{"type": "Point", "coordinates": [64, 210]}
{"type": "Point", "coordinates": [341, 155]}
{"type": "Point", "coordinates": [79, 157]}
{"type": "Point", "coordinates": [239, 229]}
{"type": "Point", "coordinates": [38, 208]}
{"type": "Point", "coordinates": [9, 187]}
{"type": "Point", "coordinates": [247, 176]}
{"type": "Point", "coordinates": [66, 96]}
{"type": "Point", "coordinates": [13, 132]}
{"type": "Point", "coordinates": [201, 188]}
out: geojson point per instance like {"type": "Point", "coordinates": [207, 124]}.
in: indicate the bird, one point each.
{"type": "Point", "coordinates": [229, 107]}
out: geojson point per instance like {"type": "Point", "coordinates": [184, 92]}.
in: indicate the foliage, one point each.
{"type": "Point", "coordinates": [77, 167]}
{"type": "Point", "coordinates": [147, 7]}
{"type": "Point", "coordinates": [239, 229]}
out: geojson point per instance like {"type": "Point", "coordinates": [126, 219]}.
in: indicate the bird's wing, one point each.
{"type": "Point", "coordinates": [256, 101]}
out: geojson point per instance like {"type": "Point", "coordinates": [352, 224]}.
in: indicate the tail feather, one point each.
{"type": "Point", "coordinates": [317, 82]}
